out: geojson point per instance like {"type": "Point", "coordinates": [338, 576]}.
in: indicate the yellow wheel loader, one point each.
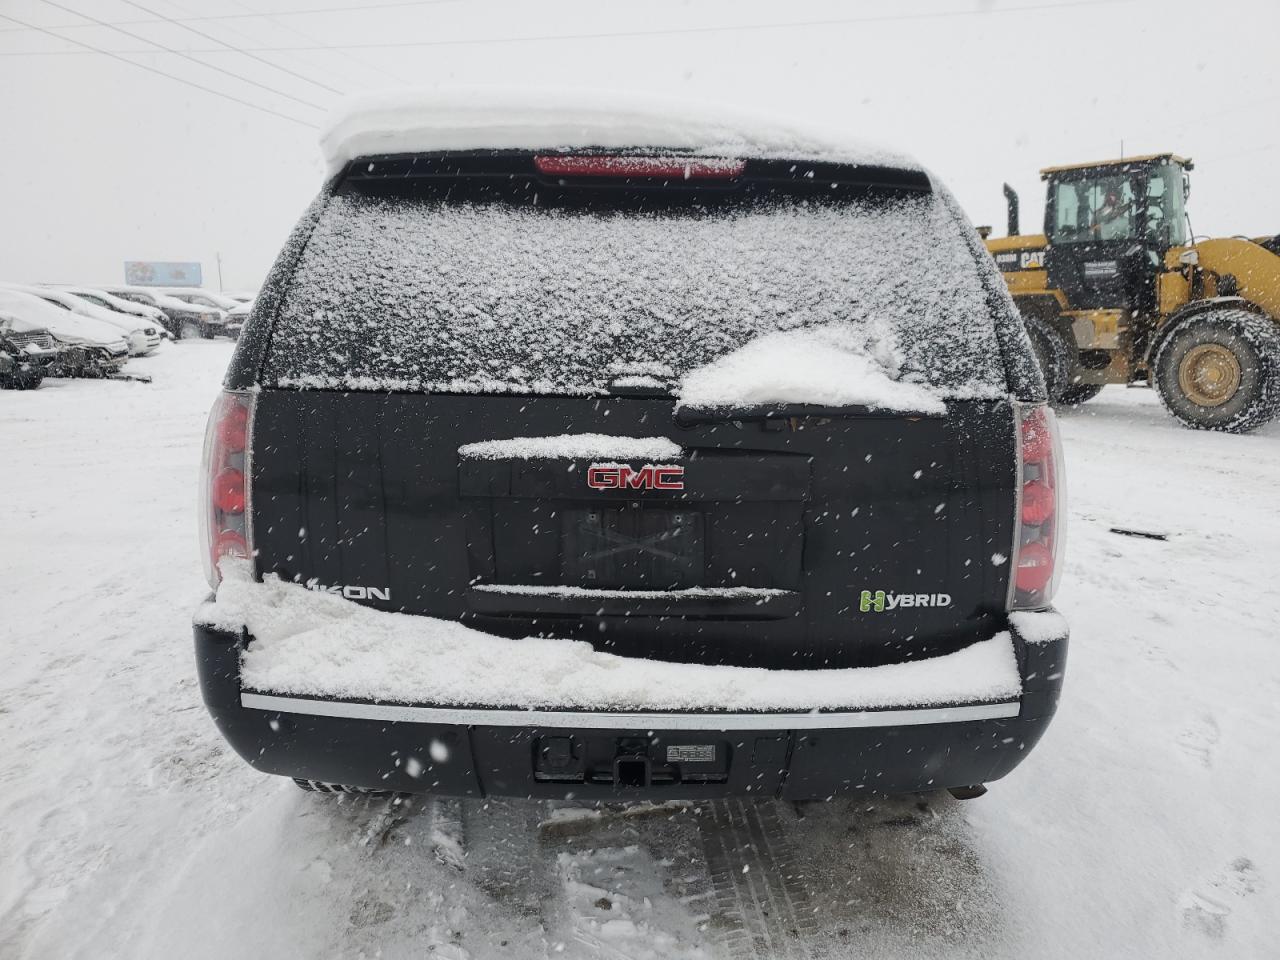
{"type": "Point", "coordinates": [1117, 291]}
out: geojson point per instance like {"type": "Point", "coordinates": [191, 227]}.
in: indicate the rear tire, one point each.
{"type": "Point", "coordinates": [1078, 393]}
{"type": "Point", "coordinates": [22, 380]}
{"type": "Point", "coordinates": [1053, 356]}
{"type": "Point", "coordinates": [1220, 370]}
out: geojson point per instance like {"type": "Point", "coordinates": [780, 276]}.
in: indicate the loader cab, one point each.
{"type": "Point", "coordinates": [1109, 226]}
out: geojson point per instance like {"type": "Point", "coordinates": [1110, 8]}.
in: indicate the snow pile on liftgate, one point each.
{"type": "Point", "coordinates": [827, 366]}
{"type": "Point", "coordinates": [499, 118]}
{"type": "Point", "coordinates": [573, 445]}
{"type": "Point", "coordinates": [309, 643]}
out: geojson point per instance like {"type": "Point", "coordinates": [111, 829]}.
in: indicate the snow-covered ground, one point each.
{"type": "Point", "coordinates": [1143, 826]}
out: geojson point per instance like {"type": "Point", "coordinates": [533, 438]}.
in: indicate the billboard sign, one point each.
{"type": "Point", "coordinates": [161, 273]}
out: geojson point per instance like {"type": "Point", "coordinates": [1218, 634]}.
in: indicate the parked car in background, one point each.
{"type": "Point", "coordinates": [237, 310]}
{"type": "Point", "coordinates": [119, 305]}
{"type": "Point", "coordinates": [187, 321]}
{"type": "Point", "coordinates": [237, 316]}
{"type": "Point", "coordinates": [142, 335]}
{"type": "Point", "coordinates": [89, 348]}
{"type": "Point", "coordinates": [244, 296]}
{"type": "Point", "coordinates": [206, 298]}
{"type": "Point", "coordinates": [27, 351]}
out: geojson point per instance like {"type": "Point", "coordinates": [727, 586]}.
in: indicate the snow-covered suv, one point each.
{"type": "Point", "coordinates": [606, 452]}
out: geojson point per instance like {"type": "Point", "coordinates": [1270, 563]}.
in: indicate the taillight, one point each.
{"type": "Point", "coordinates": [676, 168]}
{"type": "Point", "coordinates": [224, 486]}
{"type": "Point", "coordinates": [1040, 526]}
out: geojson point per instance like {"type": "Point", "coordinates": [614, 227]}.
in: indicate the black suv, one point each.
{"type": "Point", "coordinates": [621, 473]}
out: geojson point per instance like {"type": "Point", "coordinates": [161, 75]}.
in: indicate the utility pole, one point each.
{"type": "Point", "coordinates": [219, 256]}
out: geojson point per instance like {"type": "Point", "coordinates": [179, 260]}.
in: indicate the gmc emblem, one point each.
{"type": "Point", "coordinates": [619, 476]}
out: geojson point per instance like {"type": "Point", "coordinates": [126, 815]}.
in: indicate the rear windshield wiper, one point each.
{"type": "Point", "coordinates": [641, 385]}
{"type": "Point", "coordinates": [688, 416]}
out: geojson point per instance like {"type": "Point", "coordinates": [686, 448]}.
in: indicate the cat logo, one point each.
{"type": "Point", "coordinates": [1020, 260]}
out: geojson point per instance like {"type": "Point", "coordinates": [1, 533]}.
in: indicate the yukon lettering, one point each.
{"type": "Point", "coordinates": [353, 592]}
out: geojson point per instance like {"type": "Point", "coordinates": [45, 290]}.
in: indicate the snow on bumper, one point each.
{"type": "Point", "coordinates": [316, 645]}
{"type": "Point", "coordinates": [875, 736]}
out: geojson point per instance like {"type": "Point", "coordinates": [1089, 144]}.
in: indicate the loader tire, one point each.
{"type": "Point", "coordinates": [1053, 356]}
{"type": "Point", "coordinates": [1220, 370]}
{"type": "Point", "coordinates": [1078, 393]}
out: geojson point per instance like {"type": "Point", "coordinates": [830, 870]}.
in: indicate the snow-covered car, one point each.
{"type": "Point", "coordinates": [243, 296]}
{"type": "Point", "coordinates": [88, 347]}
{"type": "Point", "coordinates": [207, 298]}
{"type": "Point", "coordinates": [238, 316]}
{"type": "Point", "coordinates": [614, 452]}
{"type": "Point", "coordinates": [186, 321]}
{"type": "Point", "coordinates": [143, 336]}
{"type": "Point", "coordinates": [237, 310]}
{"type": "Point", "coordinates": [120, 305]}
{"type": "Point", "coordinates": [26, 353]}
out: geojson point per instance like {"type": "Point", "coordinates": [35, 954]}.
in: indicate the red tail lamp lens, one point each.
{"type": "Point", "coordinates": [1037, 437]}
{"type": "Point", "coordinates": [1038, 503]}
{"type": "Point", "coordinates": [1038, 532]}
{"type": "Point", "coordinates": [232, 427]}
{"type": "Point", "coordinates": [230, 544]}
{"type": "Point", "coordinates": [228, 491]}
{"type": "Point", "coordinates": [1035, 567]}
{"type": "Point", "coordinates": [225, 483]}
{"type": "Point", "coordinates": [676, 168]}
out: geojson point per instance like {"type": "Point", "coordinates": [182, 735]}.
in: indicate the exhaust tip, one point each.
{"type": "Point", "coordinates": [972, 792]}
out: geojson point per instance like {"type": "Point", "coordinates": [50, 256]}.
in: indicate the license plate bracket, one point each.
{"type": "Point", "coordinates": [632, 546]}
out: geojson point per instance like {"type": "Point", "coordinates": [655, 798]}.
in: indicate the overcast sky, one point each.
{"type": "Point", "coordinates": [104, 159]}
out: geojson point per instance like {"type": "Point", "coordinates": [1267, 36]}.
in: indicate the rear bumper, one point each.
{"type": "Point", "coordinates": [606, 756]}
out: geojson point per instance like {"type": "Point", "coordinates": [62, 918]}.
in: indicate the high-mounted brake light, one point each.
{"type": "Point", "coordinates": [224, 483]}
{"type": "Point", "coordinates": [676, 168]}
{"type": "Point", "coordinates": [1040, 526]}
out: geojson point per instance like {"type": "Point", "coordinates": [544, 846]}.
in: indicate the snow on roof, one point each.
{"type": "Point", "coordinates": [62, 323]}
{"type": "Point", "coordinates": [162, 298]}
{"type": "Point", "coordinates": [118, 304]}
{"type": "Point", "coordinates": [472, 118]}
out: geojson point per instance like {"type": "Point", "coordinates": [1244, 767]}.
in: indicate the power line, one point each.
{"type": "Point", "coordinates": [248, 16]}
{"type": "Point", "coordinates": [360, 62]}
{"type": "Point", "coordinates": [150, 69]}
{"type": "Point", "coordinates": [186, 56]}
{"type": "Point", "coordinates": [672, 31]}
{"type": "Point", "coordinates": [248, 53]}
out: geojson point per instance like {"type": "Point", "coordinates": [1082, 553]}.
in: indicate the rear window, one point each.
{"type": "Point", "coordinates": [445, 288]}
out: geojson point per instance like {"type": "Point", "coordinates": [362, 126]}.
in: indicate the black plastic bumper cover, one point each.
{"type": "Point", "coordinates": [625, 764]}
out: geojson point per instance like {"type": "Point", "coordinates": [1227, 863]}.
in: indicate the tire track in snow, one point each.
{"type": "Point", "coordinates": [502, 854]}
{"type": "Point", "coordinates": [762, 907]}
{"type": "Point", "coordinates": [631, 883]}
